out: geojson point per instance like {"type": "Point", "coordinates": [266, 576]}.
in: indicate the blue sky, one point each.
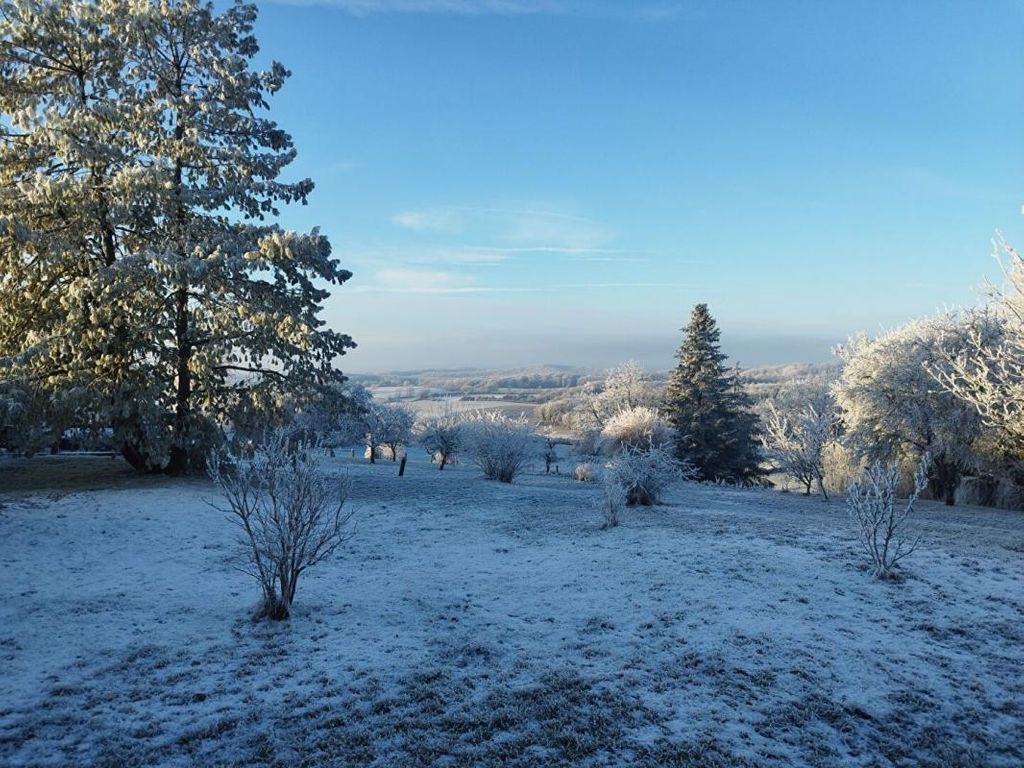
{"type": "Point", "coordinates": [559, 181]}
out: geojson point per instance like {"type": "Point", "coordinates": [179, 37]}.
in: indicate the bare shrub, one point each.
{"type": "Point", "coordinates": [584, 472]}
{"type": "Point", "coordinates": [290, 513]}
{"type": "Point", "coordinates": [883, 520]}
{"type": "Point", "coordinates": [613, 500]}
{"type": "Point", "coordinates": [442, 434]}
{"type": "Point", "coordinates": [501, 446]}
{"type": "Point", "coordinates": [638, 426]}
{"type": "Point", "coordinates": [645, 472]}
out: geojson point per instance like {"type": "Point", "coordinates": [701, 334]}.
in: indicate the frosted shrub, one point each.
{"type": "Point", "coordinates": [583, 472]}
{"type": "Point", "coordinates": [883, 521]}
{"type": "Point", "coordinates": [501, 447]}
{"type": "Point", "coordinates": [645, 472]}
{"type": "Point", "coordinates": [638, 426]}
{"type": "Point", "coordinates": [613, 500]}
{"type": "Point", "coordinates": [291, 515]}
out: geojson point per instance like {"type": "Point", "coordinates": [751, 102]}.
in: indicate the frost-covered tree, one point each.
{"type": "Point", "coordinates": [139, 177]}
{"type": "Point", "coordinates": [716, 430]}
{"type": "Point", "coordinates": [331, 415]}
{"type": "Point", "coordinates": [441, 434]}
{"type": "Point", "coordinates": [386, 426]}
{"type": "Point", "coordinates": [986, 372]}
{"type": "Point", "coordinates": [795, 439]}
{"type": "Point", "coordinates": [893, 408]}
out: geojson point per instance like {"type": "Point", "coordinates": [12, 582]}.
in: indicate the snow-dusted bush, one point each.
{"type": "Point", "coordinates": [883, 520]}
{"type": "Point", "coordinates": [795, 441]}
{"type": "Point", "coordinates": [638, 426]}
{"type": "Point", "coordinates": [501, 446]}
{"type": "Point", "coordinates": [644, 472]}
{"type": "Point", "coordinates": [291, 514]}
{"type": "Point", "coordinates": [386, 429]}
{"type": "Point", "coordinates": [584, 472]}
{"type": "Point", "coordinates": [613, 501]}
{"type": "Point", "coordinates": [442, 434]}
{"type": "Point", "coordinates": [624, 388]}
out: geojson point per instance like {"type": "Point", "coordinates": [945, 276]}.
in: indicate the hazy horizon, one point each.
{"type": "Point", "coordinates": [651, 354]}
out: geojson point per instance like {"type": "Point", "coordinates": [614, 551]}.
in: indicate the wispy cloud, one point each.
{"type": "Point", "coordinates": [400, 280]}
{"type": "Point", "coordinates": [654, 11]}
{"type": "Point", "coordinates": [537, 227]}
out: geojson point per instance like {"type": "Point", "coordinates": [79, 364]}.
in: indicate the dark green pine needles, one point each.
{"type": "Point", "coordinates": [716, 430]}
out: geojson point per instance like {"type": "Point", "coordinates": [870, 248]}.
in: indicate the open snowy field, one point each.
{"type": "Point", "coordinates": [470, 623]}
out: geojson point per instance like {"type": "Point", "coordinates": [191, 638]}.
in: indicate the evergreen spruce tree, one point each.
{"type": "Point", "coordinates": [716, 430]}
{"type": "Point", "coordinates": [140, 264]}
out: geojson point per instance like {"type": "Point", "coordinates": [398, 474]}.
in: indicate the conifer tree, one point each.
{"type": "Point", "coordinates": [716, 431]}
{"type": "Point", "coordinates": [139, 261]}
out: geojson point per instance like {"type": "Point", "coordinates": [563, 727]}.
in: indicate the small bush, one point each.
{"type": "Point", "coordinates": [882, 521]}
{"type": "Point", "coordinates": [289, 512]}
{"type": "Point", "coordinates": [583, 472]}
{"type": "Point", "coordinates": [645, 472]}
{"type": "Point", "coordinates": [501, 447]}
{"type": "Point", "coordinates": [613, 500]}
{"type": "Point", "coordinates": [638, 427]}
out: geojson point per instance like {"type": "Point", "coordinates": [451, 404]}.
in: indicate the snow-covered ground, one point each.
{"type": "Point", "coordinates": [471, 623]}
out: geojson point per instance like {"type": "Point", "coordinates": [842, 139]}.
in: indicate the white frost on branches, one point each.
{"type": "Point", "coordinates": [500, 446]}
{"type": "Point", "coordinates": [883, 520]}
{"type": "Point", "coordinates": [290, 513]}
{"type": "Point", "coordinates": [644, 472]}
{"type": "Point", "coordinates": [386, 429]}
{"type": "Point", "coordinates": [639, 426]}
{"type": "Point", "coordinates": [795, 442]}
{"type": "Point", "coordinates": [987, 371]}
{"type": "Point", "coordinates": [441, 434]}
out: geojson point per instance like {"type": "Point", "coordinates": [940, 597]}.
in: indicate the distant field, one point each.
{"type": "Point", "coordinates": [497, 406]}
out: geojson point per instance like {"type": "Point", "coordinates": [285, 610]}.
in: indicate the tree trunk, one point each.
{"type": "Point", "coordinates": [179, 458]}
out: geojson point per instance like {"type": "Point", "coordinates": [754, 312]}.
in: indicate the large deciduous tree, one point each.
{"type": "Point", "coordinates": [716, 430]}
{"type": "Point", "coordinates": [139, 181]}
{"type": "Point", "coordinates": [893, 408]}
{"type": "Point", "coordinates": [986, 371]}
